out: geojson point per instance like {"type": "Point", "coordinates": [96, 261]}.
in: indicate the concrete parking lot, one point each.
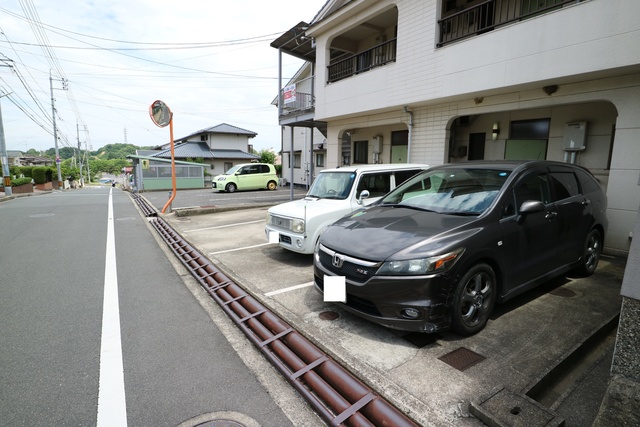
{"type": "Point", "coordinates": [536, 347]}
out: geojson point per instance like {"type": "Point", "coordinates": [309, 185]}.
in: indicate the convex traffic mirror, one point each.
{"type": "Point", "coordinates": [160, 113]}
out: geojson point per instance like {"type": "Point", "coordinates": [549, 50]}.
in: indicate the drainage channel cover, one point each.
{"type": "Point", "coordinates": [462, 358]}
{"type": "Point", "coordinates": [506, 408]}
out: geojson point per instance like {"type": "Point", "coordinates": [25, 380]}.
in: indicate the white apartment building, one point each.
{"type": "Point", "coordinates": [436, 81]}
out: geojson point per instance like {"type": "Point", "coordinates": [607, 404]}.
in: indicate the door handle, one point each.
{"type": "Point", "coordinates": [551, 215]}
{"type": "Point", "coordinates": [586, 202]}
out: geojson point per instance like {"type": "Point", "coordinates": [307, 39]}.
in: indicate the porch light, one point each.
{"type": "Point", "coordinates": [496, 131]}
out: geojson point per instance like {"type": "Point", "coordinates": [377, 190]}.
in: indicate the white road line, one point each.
{"type": "Point", "coordinates": [239, 249]}
{"type": "Point", "coordinates": [112, 407]}
{"type": "Point", "coordinates": [224, 226]}
{"type": "Point", "coordinates": [289, 289]}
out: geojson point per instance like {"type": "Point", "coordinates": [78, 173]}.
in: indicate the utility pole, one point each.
{"type": "Point", "coordinates": [79, 155]}
{"type": "Point", "coordinates": [5, 160]}
{"type": "Point", "coordinates": [55, 129]}
{"type": "Point", "coordinates": [86, 153]}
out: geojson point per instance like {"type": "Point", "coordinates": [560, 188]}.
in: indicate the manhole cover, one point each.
{"type": "Point", "coordinates": [563, 292]}
{"type": "Point", "coordinates": [328, 315]}
{"type": "Point", "coordinates": [221, 423]}
{"type": "Point", "coordinates": [462, 358]}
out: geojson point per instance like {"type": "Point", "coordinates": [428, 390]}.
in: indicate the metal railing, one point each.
{"type": "Point", "coordinates": [364, 61]}
{"type": "Point", "coordinates": [491, 14]}
{"type": "Point", "coordinates": [304, 101]}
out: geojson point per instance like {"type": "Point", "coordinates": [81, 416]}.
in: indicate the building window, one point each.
{"type": "Point", "coordinates": [320, 160]}
{"type": "Point", "coordinates": [361, 152]}
{"type": "Point", "coordinates": [296, 161]}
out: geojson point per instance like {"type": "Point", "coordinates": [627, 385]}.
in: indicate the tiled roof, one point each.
{"type": "Point", "coordinates": [222, 128]}
{"type": "Point", "coordinates": [186, 150]}
{"type": "Point", "coordinates": [146, 152]}
{"type": "Point", "coordinates": [196, 150]}
{"type": "Point", "coordinates": [233, 154]}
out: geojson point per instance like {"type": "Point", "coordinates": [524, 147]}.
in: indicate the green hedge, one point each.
{"type": "Point", "coordinates": [40, 174]}
{"type": "Point", "coordinates": [20, 181]}
{"type": "Point", "coordinates": [26, 171]}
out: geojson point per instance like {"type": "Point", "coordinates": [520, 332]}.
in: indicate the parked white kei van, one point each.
{"type": "Point", "coordinates": [297, 225]}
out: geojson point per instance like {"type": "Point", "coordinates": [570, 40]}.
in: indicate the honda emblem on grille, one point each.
{"type": "Point", "coordinates": [337, 260]}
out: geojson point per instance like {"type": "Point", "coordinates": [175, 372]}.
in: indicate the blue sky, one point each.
{"type": "Point", "coordinates": [209, 61]}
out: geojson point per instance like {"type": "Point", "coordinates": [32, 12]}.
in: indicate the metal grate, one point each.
{"type": "Point", "coordinates": [462, 358]}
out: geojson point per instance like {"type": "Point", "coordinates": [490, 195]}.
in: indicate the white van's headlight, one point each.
{"type": "Point", "coordinates": [297, 225]}
{"type": "Point", "coordinates": [416, 267]}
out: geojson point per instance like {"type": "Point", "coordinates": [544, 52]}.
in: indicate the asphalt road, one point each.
{"type": "Point", "coordinates": [179, 355]}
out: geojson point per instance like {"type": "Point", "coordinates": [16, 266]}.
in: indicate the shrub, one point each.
{"type": "Point", "coordinates": [27, 171]}
{"type": "Point", "coordinates": [40, 174]}
{"type": "Point", "coordinates": [20, 181]}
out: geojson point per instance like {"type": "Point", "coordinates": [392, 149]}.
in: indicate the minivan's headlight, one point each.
{"type": "Point", "coordinates": [415, 267]}
{"type": "Point", "coordinates": [297, 225]}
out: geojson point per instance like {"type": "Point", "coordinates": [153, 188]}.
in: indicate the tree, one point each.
{"type": "Point", "coordinates": [267, 156]}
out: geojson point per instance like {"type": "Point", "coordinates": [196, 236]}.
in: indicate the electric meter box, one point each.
{"type": "Point", "coordinates": [575, 136]}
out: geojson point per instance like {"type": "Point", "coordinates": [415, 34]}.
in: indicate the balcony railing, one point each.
{"type": "Point", "coordinates": [364, 61]}
{"type": "Point", "coordinates": [304, 99]}
{"type": "Point", "coordinates": [491, 14]}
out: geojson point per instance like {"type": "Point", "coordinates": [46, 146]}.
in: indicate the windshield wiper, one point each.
{"type": "Point", "coordinates": [400, 205]}
{"type": "Point", "coordinates": [461, 213]}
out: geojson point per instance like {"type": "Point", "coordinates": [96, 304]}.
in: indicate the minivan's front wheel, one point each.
{"type": "Point", "coordinates": [272, 185]}
{"type": "Point", "coordinates": [591, 250]}
{"type": "Point", "coordinates": [231, 187]}
{"type": "Point", "coordinates": [474, 300]}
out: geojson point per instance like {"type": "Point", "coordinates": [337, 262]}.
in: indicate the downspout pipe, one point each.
{"type": "Point", "coordinates": [410, 113]}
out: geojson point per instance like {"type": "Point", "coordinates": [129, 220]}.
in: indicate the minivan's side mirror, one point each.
{"type": "Point", "coordinates": [529, 207]}
{"type": "Point", "coordinates": [363, 195]}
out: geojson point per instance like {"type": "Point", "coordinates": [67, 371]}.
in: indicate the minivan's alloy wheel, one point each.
{"type": "Point", "coordinates": [231, 187]}
{"type": "Point", "coordinates": [272, 185]}
{"type": "Point", "coordinates": [590, 253]}
{"type": "Point", "coordinates": [474, 300]}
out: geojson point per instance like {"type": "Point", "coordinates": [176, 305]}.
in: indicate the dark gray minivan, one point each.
{"type": "Point", "coordinates": [441, 249]}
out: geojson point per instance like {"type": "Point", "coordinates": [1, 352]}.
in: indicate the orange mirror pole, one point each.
{"type": "Point", "coordinates": [173, 167]}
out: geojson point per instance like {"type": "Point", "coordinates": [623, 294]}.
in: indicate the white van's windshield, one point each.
{"type": "Point", "coordinates": [332, 185]}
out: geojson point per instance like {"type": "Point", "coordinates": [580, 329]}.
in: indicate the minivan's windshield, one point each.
{"type": "Point", "coordinates": [332, 185]}
{"type": "Point", "coordinates": [458, 191]}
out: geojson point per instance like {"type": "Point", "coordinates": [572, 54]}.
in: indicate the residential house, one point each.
{"type": "Point", "coordinates": [13, 157]}
{"type": "Point", "coordinates": [436, 81]}
{"type": "Point", "coordinates": [221, 147]}
{"type": "Point", "coordinates": [35, 161]}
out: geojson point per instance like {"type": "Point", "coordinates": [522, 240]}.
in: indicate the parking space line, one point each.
{"type": "Point", "coordinates": [239, 249]}
{"type": "Point", "coordinates": [224, 226]}
{"type": "Point", "coordinates": [289, 289]}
